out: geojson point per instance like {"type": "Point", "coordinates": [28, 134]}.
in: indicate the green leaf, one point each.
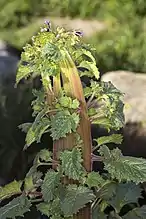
{"type": "Point", "coordinates": [23, 72]}
{"type": "Point", "coordinates": [74, 198]}
{"type": "Point", "coordinates": [17, 207]}
{"type": "Point", "coordinates": [50, 209]}
{"type": "Point", "coordinates": [25, 127]}
{"type": "Point", "coordinates": [50, 183]}
{"type": "Point", "coordinates": [94, 179]}
{"type": "Point", "coordinates": [123, 168]}
{"type": "Point", "coordinates": [36, 131]}
{"type": "Point", "coordinates": [28, 184]}
{"type": "Point", "coordinates": [136, 213]}
{"type": "Point", "coordinates": [71, 163]}
{"type": "Point", "coordinates": [91, 67]}
{"type": "Point", "coordinates": [68, 102]}
{"type": "Point", "coordinates": [108, 190]}
{"type": "Point", "coordinates": [125, 194]}
{"type": "Point", "coordinates": [114, 138]}
{"type": "Point", "coordinates": [10, 189]}
{"type": "Point", "coordinates": [43, 156]}
{"type": "Point", "coordinates": [63, 123]}
{"type": "Point", "coordinates": [98, 214]}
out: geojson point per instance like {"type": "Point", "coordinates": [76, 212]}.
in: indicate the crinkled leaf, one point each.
{"type": "Point", "coordinates": [126, 193]}
{"type": "Point", "coordinates": [91, 67]}
{"type": "Point", "coordinates": [10, 189]}
{"type": "Point", "coordinates": [94, 179]}
{"type": "Point", "coordinates": [17, 207]}
{"type": "Point", "coordinates": [114, 138]}
{"type": "Point", "coordinates": [50, 183]}
{"type": "Point", "coordinates": [136, 213]}
{"type": "Point", "coordinates": [68, 102]}
{"type": "Point", "coordinates": [23, 72]}
{"type": "Point", "coordinates": [36, 131]}
{"type": "Point", "coordinates": [74, 198]}
{"type": "Point", "coordinates": [71, 163]}
{"type": "Point", "coordinates": [43, 156]}
{"type": "Point", "coordinates": [50, 209]}
{"type": "Point", "coordinates": [63, 123]}
{"type": "Point", "coordinates": [25, 127]}
{"type": "Point", "coordinates": [123, 168]}
{"type": "Point", "coordinates": [108, 190]}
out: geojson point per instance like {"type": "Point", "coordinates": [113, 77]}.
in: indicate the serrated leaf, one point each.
{"type": "Point", "coordinates": [10, 189]}
{"type": "Point", "coordinates": [114, 138]}
{"type": "Point", "coordinates": [63, 123]}
{"type": "Point", "coordinates": [50, 183]}
{"type": "Point", "coordinates": [50, 209]}
{"type": "Point", "coordinates": [136, 213]}
{"type": "Point", "coordinates": [25, 127]}
{"type": "Point", "coordinates": [68, 102]}
{"type": "Point", "coordinates": [71, 163]}
{"type": "Point", "coordinates": [125, 194]}
{"type": "Point", "coordinates": [123, 168]}
{"type": "Point", "coordinates": [17, 207]}
{"type": "Point", "coordinates": [36, 131]}
{"type": "Point", "coordinates": [98, 214]}
{"type": "Point", "coordinates": [23, 72]}
{"type": "Point", "coordinates": [43, 156]}
{"type": "Point", "coordinates": [108, 190]}
{"type": "Point", "coordinates": [94, 179]}
{"type": "Point", "coordinates": [74, 198]}
{"type": "Point", "coordinates": [91, 67]}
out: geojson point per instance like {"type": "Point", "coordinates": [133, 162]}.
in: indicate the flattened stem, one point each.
{"type": "Point", "coordinates": [73, 87]}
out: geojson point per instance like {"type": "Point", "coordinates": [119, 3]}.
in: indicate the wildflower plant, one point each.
{"type": "Point", "coordinates": [62, 107]}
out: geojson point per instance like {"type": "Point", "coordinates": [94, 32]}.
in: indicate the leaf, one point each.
{"type": "Point", "coordinates": [43, 156]}
{"type": "Point", "coordinates": [50, 183]}
{"type": "Point", "coordinates": [36, 131]}
{"type": "Point", "coordinates": [114, 138]}
{"type": "Point", "coordinates": [123, 168]}
{"type": "Point", "coordinates": [25, 127]}
{"type": "Point", "coordinates": [63, 123]}
{"type": "Point", "coordinates": [10, 189]}
{"type": "Point", "coordinates": [94, 179]}
{"type": "Point", "coordinates": [23, 72]}
{"type": "Point", "coordinates": [126, 193]}
{"type": "Point", "coordinates": [108, 190]}
{"type": "Point", "coordinates": [28, 184]}
{"type": "Point", "coordinates": [71, 163]}
{"type": "Point", "coordinates": [68, 102]}
{"type": "Point", "coordinates": [136, 213]}
{"type": "Point", "coordinates": [98, 214]}
{"type": "Point", "coordinates": [91, 67]}
{"type": "Point", "coordinates": [17, 207]}
{"type": "Point", "coordinates": [74, 198]}
{"type": "Point", "coordinates": [50, 209]}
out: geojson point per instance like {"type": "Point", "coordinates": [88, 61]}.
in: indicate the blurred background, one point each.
{"type": "Point", "coordinates": [117, 29]}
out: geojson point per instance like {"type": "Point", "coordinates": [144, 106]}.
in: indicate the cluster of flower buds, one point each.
{"type": "Point", "coordinates": [78, 33]}
{"type": "Point", "coordinates": [47, 28]}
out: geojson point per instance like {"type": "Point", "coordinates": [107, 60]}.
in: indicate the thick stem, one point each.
{"type": "Point", "coordinates": [73, 87]}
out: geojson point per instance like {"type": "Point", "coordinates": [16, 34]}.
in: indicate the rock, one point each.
{"type": "Point", "coordinates": [133, 85]}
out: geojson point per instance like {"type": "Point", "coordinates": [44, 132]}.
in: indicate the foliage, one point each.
{"type": "Point", "coordinates": [121, 46]}
{"type": "Point", "coordinates": [66, 188]}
